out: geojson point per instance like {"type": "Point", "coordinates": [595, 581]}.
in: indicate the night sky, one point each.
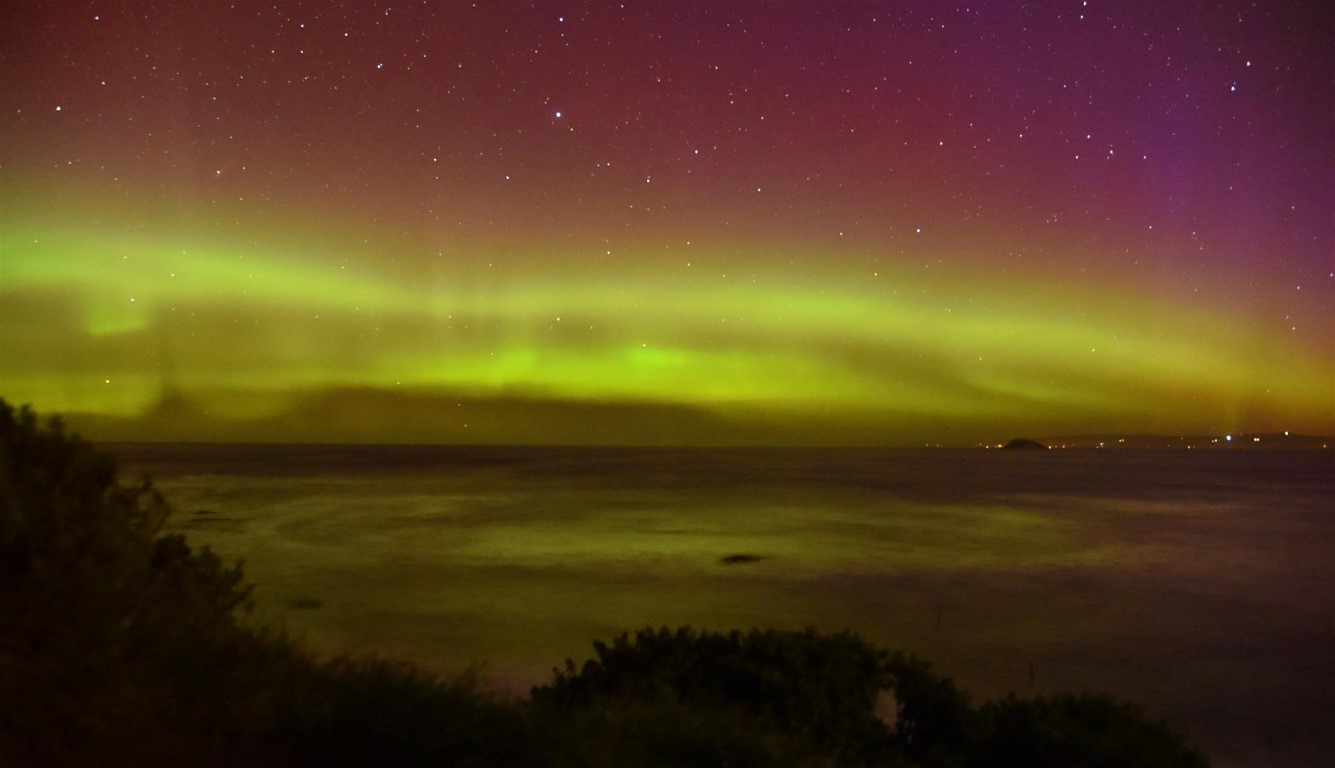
{"type": "Point", "coordinates": [669, 221]}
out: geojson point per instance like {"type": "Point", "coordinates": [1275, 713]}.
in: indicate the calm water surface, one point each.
{"type": "Point", "coordinates": [1196, 583]}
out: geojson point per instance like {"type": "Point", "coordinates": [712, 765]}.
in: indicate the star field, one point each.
{"type": "Point", "coordinates": [853, 221]}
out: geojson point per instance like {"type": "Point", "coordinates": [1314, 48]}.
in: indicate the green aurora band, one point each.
{"type": "Point", "coordinates": [102, 318]}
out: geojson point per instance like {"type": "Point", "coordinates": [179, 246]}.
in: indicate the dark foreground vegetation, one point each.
{"type": "Point", "coordinates": [123, 646]}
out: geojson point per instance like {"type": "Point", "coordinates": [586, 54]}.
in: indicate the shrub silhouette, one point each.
{"type": "Point", "coordinates": [121, 646]}
{"type": "Point", "coordinates": [804, 698]}
{"type": "Point", "coordinates": [813, 695]}
{"type": "Point", "coordinates": [934, 722]}
{"type": "Point", "coordinates": [102, 622]}
{"type": "Point", "coordinates": [1085, 731]}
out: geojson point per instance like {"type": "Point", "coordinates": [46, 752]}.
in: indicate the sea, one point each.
{"type": "Point", "coordinates": [1199, 584]}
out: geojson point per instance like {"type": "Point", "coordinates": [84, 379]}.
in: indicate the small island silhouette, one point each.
{"type": "Point", "coordinates": [1025, 444]}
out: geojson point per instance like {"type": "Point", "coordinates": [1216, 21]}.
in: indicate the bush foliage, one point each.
{"type": "Point", "coordinates": [104, 624]}
{"type": "Point", "coordinates": [120, 645]}
{"type": "Point", "coordinates": [805, 698]}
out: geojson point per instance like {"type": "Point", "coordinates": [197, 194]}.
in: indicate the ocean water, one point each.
{"type": "Point", "coordinates": [1199, 584]}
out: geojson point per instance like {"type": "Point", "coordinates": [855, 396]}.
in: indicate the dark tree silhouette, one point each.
{"type": "Point", "coordinates": [102, 621]}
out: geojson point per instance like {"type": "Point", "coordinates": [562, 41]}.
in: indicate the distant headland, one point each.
{"type": "Point", "coordinates": [1236, 441]}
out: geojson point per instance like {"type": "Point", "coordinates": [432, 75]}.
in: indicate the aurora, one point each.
{"type": "Point", "coordinates": [760, 251]}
